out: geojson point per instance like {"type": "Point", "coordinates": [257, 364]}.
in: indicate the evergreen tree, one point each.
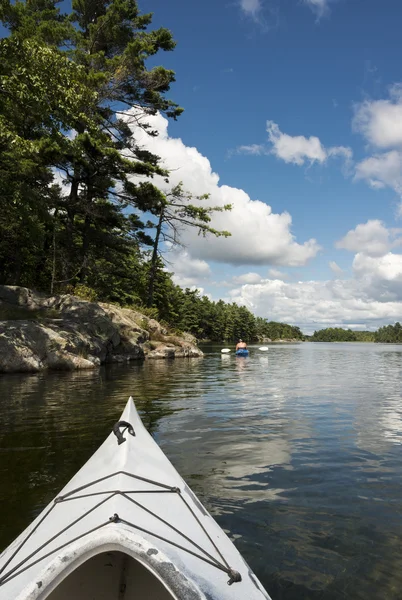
{"type": "Point", "coordinates": [173, 210]}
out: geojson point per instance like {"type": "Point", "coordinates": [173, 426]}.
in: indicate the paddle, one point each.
{"type": "Point", "coordinates": [227, 350]}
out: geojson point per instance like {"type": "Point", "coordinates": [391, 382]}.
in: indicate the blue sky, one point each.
{"type": "Point", "coordinates": [325, 76]}
{"type": "Point", "coordinates": [297, 106]}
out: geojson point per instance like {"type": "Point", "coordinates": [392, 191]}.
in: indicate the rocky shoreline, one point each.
{"type": "Point", "coordinates": [64, 332]}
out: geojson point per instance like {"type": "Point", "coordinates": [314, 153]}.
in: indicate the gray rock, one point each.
{"type": "Point", "coordinates": [171, 351]}
{"type": "Point", "coordinates": [80, 334]}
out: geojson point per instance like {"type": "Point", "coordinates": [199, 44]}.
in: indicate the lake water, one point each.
{"type": "Point", "coordinates": [297, 453]}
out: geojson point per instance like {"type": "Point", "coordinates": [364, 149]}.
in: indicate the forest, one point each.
{"type": "Point", "coordinates": [83, 208]}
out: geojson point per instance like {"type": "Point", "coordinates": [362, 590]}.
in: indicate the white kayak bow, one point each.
{"type": "Point", "coordinates": [126, 526]}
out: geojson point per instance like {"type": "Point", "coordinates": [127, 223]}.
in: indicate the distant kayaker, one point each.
{"type": "Point", "coordinates": [241, 345]}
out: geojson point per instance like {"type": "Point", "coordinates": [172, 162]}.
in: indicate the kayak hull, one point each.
{"type": "Point", "coordinates": [126, 521]}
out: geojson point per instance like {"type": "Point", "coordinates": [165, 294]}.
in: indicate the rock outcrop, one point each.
{"type": "Point", "coordinates": [66, 333]}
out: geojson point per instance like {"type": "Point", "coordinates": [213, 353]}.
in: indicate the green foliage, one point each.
{"type": "Point", "coordinates": [390, 334]}
{"type": "Point", "coordinates": [277, 331]}
{"type": "Point", "coordinates": [187, 310]}
{"type": "Point", "coordinates": [364, 336]}
{"type": "Point", "coordinates": [64, 80]}
{"type": "Point", "coordinates": [71, 89]}
{"type": "Point", "coordinates": [172, 211]}
{"type": "Point", "coordinates": [84, 292]}
{"type": "Point", "coordinates": [337, 334]}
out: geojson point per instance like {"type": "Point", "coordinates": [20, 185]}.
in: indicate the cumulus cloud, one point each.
{"type": "Point", "coordinates": [387, 267]}
{"type": "Point", "coordinates": [259, 236]}
{"type": "Point", "coordinates": [188, 271]}
{"type": "Point", "coordinates": [367, 299]}
{"type": "Point", "coordinates": [295, 149]}
{"type": "Point", "coordinates": [247, 278]}
{"type": "Point", "coordinates": [335, 268]}
{"type": "Point", "coordinates": [276, 274]}
{"type": "Point", "coordinates": [380, 123]}
{"type": "Point", "coordinates": [382, 170]}
{"type": "Point", "coordinates": [298, 149]}
{"type": "Point", "coordinates": [370, 298]}
{"type": "Point", "coordinates": [380, 277]}
{"type": "Point", "coordinates": [371, 238]}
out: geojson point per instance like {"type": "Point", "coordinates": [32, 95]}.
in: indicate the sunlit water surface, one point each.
{"type": "Point", "coordinates": [296, 452]}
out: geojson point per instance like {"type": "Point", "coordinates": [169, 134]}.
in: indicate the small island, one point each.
{"type": "Point", "coordinates": [389, 334]}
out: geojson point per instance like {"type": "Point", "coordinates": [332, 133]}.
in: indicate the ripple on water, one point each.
{"type": "Point", "coordinates": [296, 453]}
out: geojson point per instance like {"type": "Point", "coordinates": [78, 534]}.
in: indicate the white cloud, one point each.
{"type": "Point", "coordinates": [298, 149]}
{"type": "Point", "coordinates": [59, 178]}
{"type": "Point", "coordinates": [320, 7]}
{"type": "Point", "coordinates": [380, 121]}
{"type": "Point", "coordinates": [255, 149]}
{"type": "Point", "coordinates": [385, 268]}
{"type": "Point", "coordinates": [188, 271]}
{"type": "Point", "coordinates": [371, 238]}
{"type": "Point", "coordinates": [380, 276]}
{"type": "Point", "coordinates": [295, 149]}
{"type": "Point", "coordinates": [276, 274]}
{"type": "Point", "coordinates": [318, 304]}
{"type": "Point", "coordinates": [247, 278]}
{"type": "Point", "coordinates": [370, 298]}
{"type": "Point", "coordinates": [251, 8]}
{"type": "Point", "coordinates": [259, 236]}
{"type": "Point", "coordinates": [335, 268]}
{"type": "Point", "coordinates": [382, 170]}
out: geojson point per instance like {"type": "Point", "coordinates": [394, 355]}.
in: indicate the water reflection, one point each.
{"type": "Point", "coordinates": [296, 452]}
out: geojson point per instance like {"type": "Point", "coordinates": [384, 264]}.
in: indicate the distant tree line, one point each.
{"type": "Point", "coordinates": [188, 310]}
{"type": "Point", "coordinates": [337, 334]}
{"type": "Point", "coordinates": [277, 331]}
{"type": "Point", "coordinates": [389, 334]}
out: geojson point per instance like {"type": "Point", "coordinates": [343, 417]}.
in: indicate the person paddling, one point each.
{"type": "Point", "coordinates": [241, 345]}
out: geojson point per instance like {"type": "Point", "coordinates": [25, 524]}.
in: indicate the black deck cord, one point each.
{"type": "Point", "coordinates": [183, 535]}
{"type": "Point", "coordinates": [234, 575]}
{"type": "Point", "coordinates": [119, 434]}
{"type": "Point", "coordinates": [27, 558]}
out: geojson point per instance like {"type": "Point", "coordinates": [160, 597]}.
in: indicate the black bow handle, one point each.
{"type": "Point", "coordinates": [125, 427]}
